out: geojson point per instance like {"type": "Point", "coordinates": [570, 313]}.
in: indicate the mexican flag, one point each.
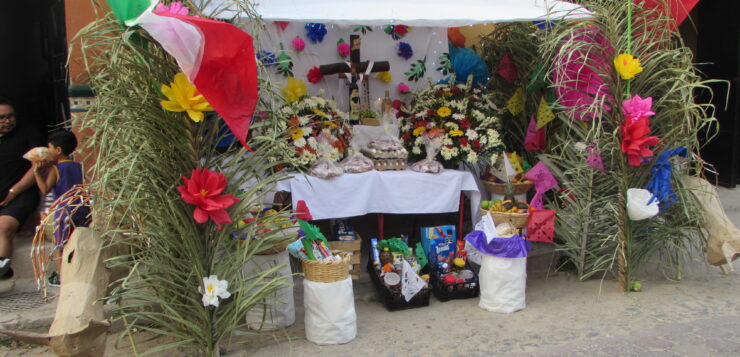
{"type": "Point", "coordinates": [216, 56]}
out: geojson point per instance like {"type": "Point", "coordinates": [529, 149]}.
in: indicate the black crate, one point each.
{"type": "Point", "coordinates": [446, 292]}
{"type": "Point", "coordinates": [393, 301]}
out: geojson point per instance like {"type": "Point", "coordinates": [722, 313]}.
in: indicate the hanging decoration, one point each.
{"type": "Point", "coordinates": [544, 113]}
{"type": "Point", "coordinates": [635, 129]}
{"type": "Point", "coordinates": [678, 9]}
{"type": "Point", "coordinates": [405, 51]}
{"type": "Point", "coordinates": [298, 43]}
{"type": "Point", "coordinates": [182, 96]}
{"type": "Point", "coordinates": [535, 139]}
{"type": "Point", "coordinates": [315, 32]}
{"type": "Point", "coordinates": [314, 75]}
{"type": "Point", "coordinates": [465, 62]}
{"type": "Point", "coordinates": [445, 64]}
{"type": "Point", "coordinates": [266, 58]}
{"type": "Point", "coordinates": [294, 90]}
{"type": "Point", "coordinates": [175, 7]}
{"type": "Point", "coordinates": [578, 85]}
{"type": "Point", "coordinates": [397, 32]}
{"type": "Point", "coordinates": [204, 189]}
{"type": "Point", "coordinates": [543, 181]}
{"type": "Point", "coordinates": [455, 37]}
{"type": "Point", "coordinates": [515, 104]}
{"type": "Point", "coordinates": [639, 206]}
{"type": "Point", "coordinates": [594, 158]}
{"type": "Point", "coordinates": [417, 70]}
{"type": "Point", "coordinates": [537, 78]}
{"type": "Point", "coordinates": [343, 48]}
{"type": "Point", "coordinates": [627, 66]}
{"type": "Point", "coordinates": [385, 77]}
{"type": "Point", "coordinates": [506, 68]}
{"type": "Point", "coordinates": [364, 29]}
{"type": "Point", "coordinates": [284, 62]}
{"type": "Point", "coordinates": [281, 25]}
{"type": "Point", "coordinates": [660, 177]}
{"type": "Point", "coordinates": [637, 107]}
{"type": "Point", "coordinates": [403, 88]}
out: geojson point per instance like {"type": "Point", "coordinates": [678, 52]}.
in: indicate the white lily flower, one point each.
{"type": "Point", "coordinates": [213, 290]}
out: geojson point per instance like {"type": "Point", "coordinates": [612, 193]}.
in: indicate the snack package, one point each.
{"type": "Point", "coordinates": [40, 153]}
{"type": "Point", "coordinates": [356, 162]}
{"type": "Point", "coordinates": [432, 145]}
{"type": "Point", "coordinates": [325, 167]}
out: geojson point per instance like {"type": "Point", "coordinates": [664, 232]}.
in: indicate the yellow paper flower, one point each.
{"type": "Point", "coordinates": [385, 77]}
{"type": "Point", "coordinates": [182, 96]}
{"type": "Point", "coordinates": [627, 66]}
{"type": "Point", "coordinates": [296, 133]}
{"type": "Point", "coordinates": [419, 130]}
{"type": "Point", "coordinates": [456, 133]}
{"type": "Point", "coordinates": [444, 112]}
{"type": "Point", "coordinates": [295, 90]}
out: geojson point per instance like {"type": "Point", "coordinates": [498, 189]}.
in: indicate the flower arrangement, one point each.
{"type": "Point", "coordinates": [462, 115]}
{"type": "Point", "coordinates": [304, 120]}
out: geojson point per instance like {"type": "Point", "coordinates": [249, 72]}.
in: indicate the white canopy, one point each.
{"type": "Point", "coordinates": [440, 13]}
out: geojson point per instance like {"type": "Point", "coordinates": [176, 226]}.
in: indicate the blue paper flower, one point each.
{"type": "Point", "coordinates": [315, 32]}
{"type": "Point", "coordinates": [404, 50]}
{"type": "Point", "coordinates": [266, 57]}
{"type": "Point", "coordinates": [464, 63]}
{"type": "Point", "coordinates": [660, 180]}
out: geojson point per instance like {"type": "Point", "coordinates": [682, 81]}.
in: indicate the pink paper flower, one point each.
{"type": "Point", "coordinates": [637, 107]}
{"type": "Point", "coordinates": [203, 189]}
{"type": "Point", "coordinates": [298, 44]}
{"type": "Point", "coordinates": [403, 88]}
{"type": "Point", "coordinates": [343, 49]}
{"type": "Point", "coordinates": [594, 158]}
{"type": "Point", "coordinates": [176, 8]}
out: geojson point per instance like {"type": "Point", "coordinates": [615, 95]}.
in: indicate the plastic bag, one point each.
{"type": "Point", "coordinates": [503, 284]}
{"type": "Point", "coordinates": [277, 311]}
{"type": "Point", "coordinates": [40, 153]}
{"type": "Point", "coordinates": [432, 145]}
{"type": "Point", "coordinates": [330, 312]}
{"type": "Point", "coordinates": [325, 167]}
{"type": "Point", "coordinates": [637, 204]}
{"type": "Point", "coordinates": [356, 162]}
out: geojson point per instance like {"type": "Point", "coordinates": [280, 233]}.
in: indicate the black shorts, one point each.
{"type": "Point", "coordinates": [22, 206]}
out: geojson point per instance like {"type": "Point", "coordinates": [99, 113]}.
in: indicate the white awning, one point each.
{"type": "Point", "coordinates": [439, 13]}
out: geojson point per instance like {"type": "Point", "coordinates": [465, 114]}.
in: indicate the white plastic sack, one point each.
{"type": "Point", "coordinates": [503, 283]}
{"type": "Point", "coordinates": [330, 312]}
{"type": "Point", "coordinates": [637, 204]}
{"type": "Point", "coordinates": [278, 311]}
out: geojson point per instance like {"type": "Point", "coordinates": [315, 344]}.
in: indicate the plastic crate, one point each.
{"type": "Point", "coordinates": [392, 301]}
{"type": "Point", "coordinates": [446, 292]}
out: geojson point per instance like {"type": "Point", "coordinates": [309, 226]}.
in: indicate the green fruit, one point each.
{"type": "Point", "coordinates": [636, 286]}
{"type": "Point", "coordinates": [485, 204]}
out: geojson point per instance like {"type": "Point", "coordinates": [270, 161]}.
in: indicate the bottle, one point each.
{"type": "Point", "coordinates": [354, 100]}
{"type": "Point", "coordinates": [386, 257]}
{"type": "Point", "coordinates": [387, 103]}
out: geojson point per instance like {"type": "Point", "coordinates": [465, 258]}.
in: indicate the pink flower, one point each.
{"type": "Point", "coordinates": [343, 49]}
{"type": "Point", "coordinates": [203, 189]}
{"type": "Point", "coordinates": [176, 8]}
{"type": "Point", "coordinates": [298, 44]}
{"type": "Point", "coordinates": [403, 88]}
{"type": "Point", "coordinates": [637, 107]}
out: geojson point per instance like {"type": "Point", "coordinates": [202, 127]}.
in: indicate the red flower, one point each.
{"type": "Point", "coordinates": [397, 104]}
{"type": "Point", "coordinates": [476, 145]}
{"type": "Point", "coordinates": [420, 123]}
{"type": "Point", "coordinates": [406, 136]}
{"type": "Point", "coordinates": [314, 75]}
{"type": "Point", "coordinates": [203, 189]}
{"type": "Point", "coordinates": [464, 141]}
{"type": "Point", "coordinates": [635, 141]}
{"type": "Point", "coordinates": [465, 123]}
{"type": "Point", "coordinates": [401, 30]}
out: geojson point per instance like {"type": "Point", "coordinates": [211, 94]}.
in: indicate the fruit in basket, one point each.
{"type": "Point", "coordinates": [485, 204]}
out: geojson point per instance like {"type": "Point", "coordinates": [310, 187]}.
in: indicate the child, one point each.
{"type": "Point", "coordinates": [59, 176]}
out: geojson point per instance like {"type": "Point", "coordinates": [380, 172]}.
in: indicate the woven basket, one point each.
{"type": "Point", "coordinates": [500, 188]}
{"type": "Point", "coordinates": [518, 220]}
{"type": "Point", "coordinates": [277, 248]}
{"type": "Point", "coordinates": [370, 121]}
{"type": "Point", "coordinates": [327, 272]}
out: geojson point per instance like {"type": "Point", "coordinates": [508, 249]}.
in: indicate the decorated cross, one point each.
{"type": "Point", "coordinates": [354, 66]}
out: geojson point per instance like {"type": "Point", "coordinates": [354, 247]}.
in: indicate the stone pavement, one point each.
{"type": "Point", "coordinates": [699, 316]}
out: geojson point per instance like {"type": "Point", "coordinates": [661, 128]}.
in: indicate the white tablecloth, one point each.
{"type": "Point", "coordinates": [402, 192]}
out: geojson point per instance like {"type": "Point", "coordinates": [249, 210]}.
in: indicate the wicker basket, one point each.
{"type": "Point", "coordinates": [518, 220]}
{"type": "Point", "coordinates": [500, 188]}
{"type": "Point", "coordinates": [370, 121]}
{"type": "Point", "coordinates": [327, 272]}
{"type": "Point", "coordinates": [277, 248]}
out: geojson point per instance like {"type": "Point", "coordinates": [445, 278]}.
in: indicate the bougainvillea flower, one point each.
{"type": "Point", "coordinates": [385, 77]}
{"type": "Point", "coordinates": [576, 74]}
{"type": "Point", "coordinates": [295, 90]}
{"type": "Point", "coordinates": [635, 141]}
{"type": "Point", "coordinates": [314, 75]}
{"type": "Point", "coordinates": [184, 97]}
{"type": "Point", "coordinates": [176, 8]}
{"type": "Point", "coordinates": [637, 107]}
{"type": "Point", "coordinates": [298, 44]}
{"type": "Point", "coordinates": [204, 189]}
{"type": "Point", "coordinates": [627, 66]}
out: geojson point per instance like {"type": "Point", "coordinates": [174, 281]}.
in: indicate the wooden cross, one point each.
{"type": "Point", "coordinates": [355, 65]}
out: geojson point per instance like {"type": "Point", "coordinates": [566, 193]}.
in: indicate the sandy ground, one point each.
{"type": "Point", "coordinates": [697, 316]}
